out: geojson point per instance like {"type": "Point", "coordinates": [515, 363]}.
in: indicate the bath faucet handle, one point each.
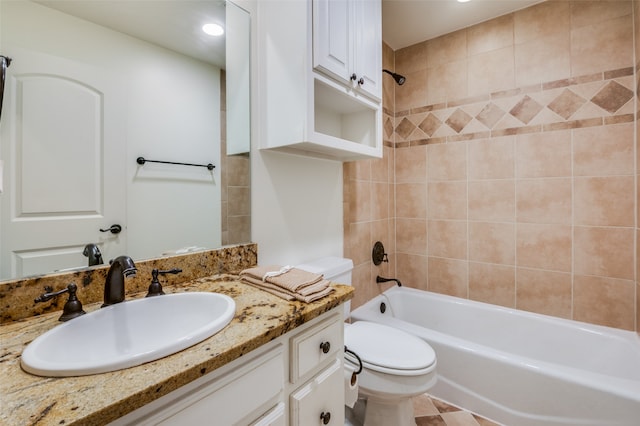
{"type": "Point", "coordinates": [155, 288]}
{"type": "Point", "coordinates": [73, 307]}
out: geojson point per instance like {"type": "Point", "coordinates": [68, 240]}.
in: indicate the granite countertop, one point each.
{"type": "Point", "coordinates": [260, 317]}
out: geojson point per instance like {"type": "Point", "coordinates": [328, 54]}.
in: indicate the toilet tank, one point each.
{"type": "Point", "coordinates": [336, 269]}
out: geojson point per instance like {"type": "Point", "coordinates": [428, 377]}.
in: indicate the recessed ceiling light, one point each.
{"type": "Point", "coordinates": [213, 29]}
{"type": "Point", "coordinates": [463, 1]}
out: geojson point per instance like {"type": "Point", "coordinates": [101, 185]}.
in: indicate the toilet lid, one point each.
{"type": "Point", "coordinates": [388, 347]}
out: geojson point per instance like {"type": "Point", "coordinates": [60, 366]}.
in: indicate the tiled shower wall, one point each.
{"type": "Point", "coordinates": [513, 170]}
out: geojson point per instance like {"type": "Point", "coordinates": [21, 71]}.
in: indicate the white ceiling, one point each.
{"type": "Point", "coordinates": [407, 22]}
{"type": "Point", "coordinates": [176, 24]}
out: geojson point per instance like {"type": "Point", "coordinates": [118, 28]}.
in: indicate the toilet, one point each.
{"type": "Point", "coordinates": [396, 365]}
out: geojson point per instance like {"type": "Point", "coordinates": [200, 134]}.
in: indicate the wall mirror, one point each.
{"type": "Point", "coordinates": [96, 84]}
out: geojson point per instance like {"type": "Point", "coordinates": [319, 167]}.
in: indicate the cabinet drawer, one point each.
{"type": "Point", "coordinates": [321, 400]}
{"type": "Point", "coordinates": [312, 347]}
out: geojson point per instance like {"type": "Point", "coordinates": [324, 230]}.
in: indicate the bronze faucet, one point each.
{"type": "Point", "coordinates": [121, 268]}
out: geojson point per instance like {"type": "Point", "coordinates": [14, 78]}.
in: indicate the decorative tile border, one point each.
{"type": "Point", "coordinates": [584, 101]}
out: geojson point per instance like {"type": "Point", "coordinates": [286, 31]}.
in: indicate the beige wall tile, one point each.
{"type": "Point", "coordinates": [491, 72]}
{"type": "Point", "coordinates": [546, 154]}
{"type": "Point", "coordinates": [592, 12]}
{"type": "Point", "coordinates": [411, 164]}
{"type": "Point", "coordinates": [543, 59]}
{"type": "Point", "coordinates": [362, 284]}
{"type": "Point", "coordinates": [447, 82]}
{"type": "Point", "coordinates": [412, 58]}
{"type": "Point", "coordinates": [602, 46]}
{"type": "Point", "coordinates": [413, 93]}
{"type": "Point", "coordinates": [544, 292]}
{"type": "Point", "coordinates": [360, 242]}
{"type": "Point", "coordinates": [543, 246]}
{"type": "Point", "coordinates": [605, 252]}
{"type": "Point", "coordinates": [447, 48]}
{"type": "Point", "coordinates": [360, 201]}
{"type": "Point", "coordinates": [411, 236]}
{"type": "Point", "coordinates": [540, 20]}
{"type": "Point", "coordinates": [381, 230]}
{"type": "Point", "coordinates": [605, 201]}
{"type": "Point", "coordinates": [492, 158]}
{"type": "Point", "coordinates": [603, 150]}
{"type": "Point", "coordinates": [492, 242]}
{"type": "Point", "coordinates": [447, 200]}
{"type": "Point", "coordinates": [448, 276]}
{"type": "Point", "coordinates": [544, 200]}
{"type": "Point", "coordinates": [412, 270]}
{"type": "Point", "coordinates": [447, 161]}
{"type": "Point", "coordinates": [604, 301]}
{"type": "Point", "coordinates": [380, 201]}
{"type": "Point", "coordinates": [490, 35]}
{"type": "Point", "coordinates": [411, 200]}
{"type": "Point", "coordinates": [447, 239]}
{"type": "Point", "coordinates": [492, 200]}
{"type": "Point", "coordinates": [492, 284]}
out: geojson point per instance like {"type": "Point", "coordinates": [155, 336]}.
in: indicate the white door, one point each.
{"type": "Point", "coordinates": [63, 147]}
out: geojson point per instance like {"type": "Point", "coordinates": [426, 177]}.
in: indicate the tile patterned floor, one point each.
{"type": "Point", "coordinates": [432, 412]}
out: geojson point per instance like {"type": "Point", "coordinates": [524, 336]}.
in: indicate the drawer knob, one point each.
{"type": "Point", "coordinates": [325, 417]}
{"type": "Point", "coordinates": [326, 347]}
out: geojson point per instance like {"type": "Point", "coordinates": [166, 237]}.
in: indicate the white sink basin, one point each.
{"type": "Point", "coordinates": [128, 334]}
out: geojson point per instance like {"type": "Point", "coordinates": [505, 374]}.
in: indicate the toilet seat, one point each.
{"type": "Point", "coordinates": [388, 350]}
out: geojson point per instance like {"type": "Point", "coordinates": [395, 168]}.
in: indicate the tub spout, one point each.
{"type": "Point", "coordinates": [380, 279]}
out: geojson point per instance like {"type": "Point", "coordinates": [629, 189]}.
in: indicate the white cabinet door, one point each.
{"type": "Point", "coordinates": [368, 46]}
{"type": "Point", "coordinates": [321, 400]}
{"type": "Point", "coordinates": [347, 42]}
{"type": "Point", "coordinates": [332, 44]}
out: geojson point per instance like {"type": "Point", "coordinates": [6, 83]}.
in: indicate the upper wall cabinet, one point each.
{"type": "Point", "coordinates": [320, 74]}
{"type": "Point", "coordinates": [347, 43]}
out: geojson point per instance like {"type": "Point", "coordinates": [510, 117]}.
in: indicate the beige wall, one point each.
{"type": "Point", "coordinates": [514, 158]}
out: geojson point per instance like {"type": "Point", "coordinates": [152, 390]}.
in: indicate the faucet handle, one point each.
{"type": "Point", "coordinates": [155, 288]}
{"type": "Point", "coordinates": [73, 307]}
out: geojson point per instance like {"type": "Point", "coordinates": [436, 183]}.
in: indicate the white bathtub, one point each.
{"type": "Point", "coordinates": [519, 368]}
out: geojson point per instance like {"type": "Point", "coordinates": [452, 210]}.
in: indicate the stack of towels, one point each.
{"type": "Point", "coordinates": [287, 282]}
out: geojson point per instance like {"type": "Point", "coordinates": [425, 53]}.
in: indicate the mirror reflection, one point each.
{"type": "Point", "coordinates": [93, 86]}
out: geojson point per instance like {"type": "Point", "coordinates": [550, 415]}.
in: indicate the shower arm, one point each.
{"type": "Point", "coordinates": [380, 279]}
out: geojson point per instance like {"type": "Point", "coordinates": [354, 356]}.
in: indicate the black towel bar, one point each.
{"type": "Point", "coordinates": [142, 160]}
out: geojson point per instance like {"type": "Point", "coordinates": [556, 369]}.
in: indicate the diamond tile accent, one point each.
{"type": "Point", "coordinates": [566, 104]}
{"type": "Point", "coordinates": [490, 115]}
{"type": "Point", "coordinates": [612, 97]}
{"type": "Point", "coordinates": [388, 127]}
{"type": "Point", "coordinates": [458, 120]}
{"type": "Point", "coordinates": [405, 128]}
{"type": "Point", "coordinates": [430, 124]}
{"type": "Point", "coordinates": [526, 109]}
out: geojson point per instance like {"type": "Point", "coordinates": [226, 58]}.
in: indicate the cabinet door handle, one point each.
{"type": "Point", "coordinates": [325, 347]}
{"type": "Point", "coordinates": [353, 77]}
{"type": "Point", "coordinates": [361, 82]}
{"type": "Point", "coordinates": [325, 417]}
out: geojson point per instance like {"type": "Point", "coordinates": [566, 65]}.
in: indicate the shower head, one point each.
{"type": "Point", "coordinates": [400, 79]}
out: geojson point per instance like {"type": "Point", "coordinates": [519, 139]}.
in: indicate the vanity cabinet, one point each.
{"type": "Point", "coordinates": [296, 379]}
{"type": "Point", "coordinates": [320, 76]}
